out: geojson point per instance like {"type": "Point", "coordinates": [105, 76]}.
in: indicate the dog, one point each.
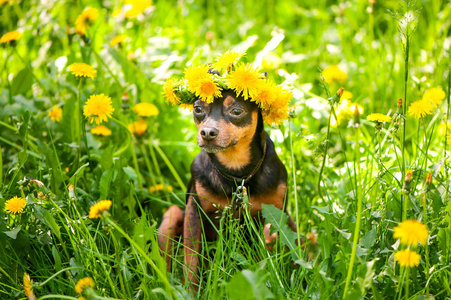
{"type": "Point", "coordinates": [235, 150]}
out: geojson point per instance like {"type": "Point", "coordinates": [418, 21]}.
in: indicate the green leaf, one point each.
{"type": "Point", "coordinates": [56, 258]}
{"type": "Point", "coordinates": [47, 218]}
{"type": "Point", "coordinates": [106, 160]}
{"type": "Point", "coordinates": [105, 182]}
{"type": "Point", "coordinates": [248, 285]}
{"type": "Point", "coordinates": [22, 82]}
{"type": "Point", "coordinates": [279, 221]}
{"type": "Point", "coordinates": [77, 174]}
{"type": "Point", "coordinates": [13, 233]}
{"type": "Point", "coordinates": [239, 288]}
{"type": "Point", "coordinates": [369, 239]}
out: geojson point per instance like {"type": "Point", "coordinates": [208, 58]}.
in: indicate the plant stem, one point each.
{"type": "Point", "coordinates": [404, 111]}
{"type": "Point", "coordinates": [293, 171]}
{"type": "Point", "coordinates": [359, 210]}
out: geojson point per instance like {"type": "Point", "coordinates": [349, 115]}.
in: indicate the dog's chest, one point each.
{"type": "Point", "coordinates": [213, 204]}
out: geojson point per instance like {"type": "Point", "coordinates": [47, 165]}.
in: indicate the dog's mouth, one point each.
{"type": "Point", "coordinates": [213, 149]}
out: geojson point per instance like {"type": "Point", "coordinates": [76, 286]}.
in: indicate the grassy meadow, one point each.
{"type": "Point", "coordinates": [354, 183]}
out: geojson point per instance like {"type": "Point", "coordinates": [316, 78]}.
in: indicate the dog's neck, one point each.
{"type": "Point", "coordinates": [242, 159]}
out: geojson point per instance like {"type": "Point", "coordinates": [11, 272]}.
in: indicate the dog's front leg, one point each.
{"type": "Point", "coordinates": [192, 235]}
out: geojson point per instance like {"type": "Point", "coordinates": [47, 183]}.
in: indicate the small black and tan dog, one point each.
{"type": "Point", "coordinates": [235, 147]}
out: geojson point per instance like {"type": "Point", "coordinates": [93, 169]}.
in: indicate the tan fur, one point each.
{"type": "Point", "coordinates": [237, 156]}
{"type": "Point", "coordinates": [228, 101]}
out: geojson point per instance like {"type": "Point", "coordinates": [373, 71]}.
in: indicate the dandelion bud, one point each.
{"type": "Point", "coordinates": [71, 190]}
{"type": "Point", "coordinates": [312, 238]}
{"type": "Point", "coordinates": [428, 181]}
{"type": "Point", "coordinates": [400, 102]}
{"type": "Point", "coordinates": [125, 96]}
{"type": "Point", "coordinates": [340, 91]}
{"type": "Point", "coordinates": [407, 181]}
{"type": "Point", "coordinates": [356, 115]}
{"type": "Point", "coordinates": [28, 287]}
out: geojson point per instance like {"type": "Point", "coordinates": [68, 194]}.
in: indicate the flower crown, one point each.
{"type": "Point", "coordinates": [204, 82]}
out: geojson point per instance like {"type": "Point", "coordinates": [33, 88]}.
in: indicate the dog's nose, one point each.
{"type": "Point", "coordinates": [209, 134]}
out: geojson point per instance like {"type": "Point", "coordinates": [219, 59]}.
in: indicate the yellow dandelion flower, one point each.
{"type": "Point", "coordinates": [266, 94]}
{"type": "Point", "coordinates": [271, 61]}
{"type": "Point", "coordinates": [443, 130]}
{"type": "Point", "coordinates": [346, 95]}
{"type": "Point", "coordinates": [56, 113]}
{"type": "Point", "coordinates": [27, 286]}
{"type": "Point", "coordinates": [246, 80]}
{"type": "Point", "coordinates": [138, 128]}
{"type": "Point", "coordinates": [407, 258]}
{"type": "Point", "coordinates": [434, 96]}
{"type": "Point", "coordinates": [15, 205]}
{"type": "Point", "coordinates": [85, 19]}
{"type": "Point", "coordinates": [157, 188]}
{"type": "Point", "coordinates": [10, 37]}
{"type": "Point", "coordinates": [377, 117]}
{"type": "Point", "coordinates": [101, 130]}
{"type": "Point", "coordinates": [226, 61]}
{"type": "Point", "coordinates": [169, 188]}
{"type": "Point", "coordinates": [83, 283]}
{"type": "Point", "coordinates": [96, 210]}
{"type": "Point", "coordinates": [274, 117]}
{"type": "Point", "coordinates": [333, 73]}
{"type": "Point", "coordinates": [194, 75]}
{"type": "Point", "coordinates": [136, 7]}
{"type": "Point", "coordinates": [207, 90]}
{"type": "Point", "coordinates": [98, 108]}
{"type": "Point", "coordinates": [144, 109]}
{"type": "Point", "coordinates": [169, 86]}
{"type": "Point", "coordinates": [420, 108]}
{"type": "Point", "coordinates": [411, 232]}
{"type": "Point", "coordinates": [118, 39]}
{"type": "Point", "coordinates": [82, 70]}
{"type": "Point", "coordinates": [81, 298]}
{"type": "Point", "coordinates": [187, 106]}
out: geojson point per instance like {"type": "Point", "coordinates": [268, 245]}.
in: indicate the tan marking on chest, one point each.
{"type": "Point", "coordinates": [275, 198]}
{"type": "Point", "coordinates": [210, 202]}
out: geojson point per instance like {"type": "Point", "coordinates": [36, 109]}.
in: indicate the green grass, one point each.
{"type": "Point", "coordinates": [333, 170]}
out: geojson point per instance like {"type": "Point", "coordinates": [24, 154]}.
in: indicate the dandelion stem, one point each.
{"type": "Point", "coordinates": [355, 240]}
{"type": "Point", "coordinates": [324, 156]}
{"type": "Point", "coordinates": [78, 117]}
{"type": "Point", "coordinates": [293, 171]}
{"type": "Point", "coordinates": [426, 247]}
{"type": "Point", "coordinates": [404, 111]}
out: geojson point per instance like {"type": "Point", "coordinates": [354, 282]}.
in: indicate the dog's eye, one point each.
{"type": "Point", "coordinates": [197, 109]}
{"type": "Point", "coordinates": [237, 112]}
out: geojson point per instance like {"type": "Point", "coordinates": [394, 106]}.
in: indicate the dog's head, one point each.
{"type": "Point", "coordinates": [225, 122]}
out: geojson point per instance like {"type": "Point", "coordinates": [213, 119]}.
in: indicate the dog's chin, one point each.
{"type": "Point", "coordinates": [213, 149]}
